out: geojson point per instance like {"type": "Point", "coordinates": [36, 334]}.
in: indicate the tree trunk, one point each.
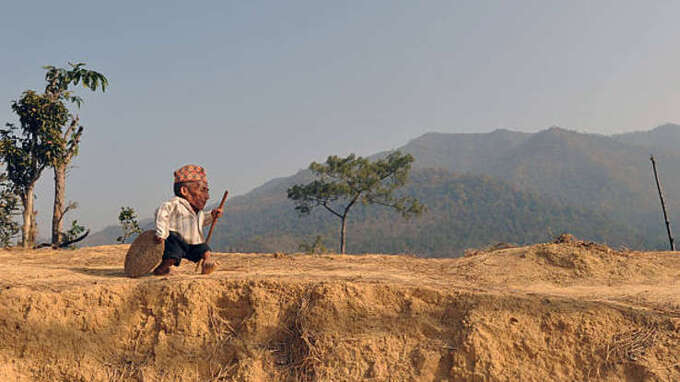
{"type": "Point", "coordinates": [58, 210]}
{"type": "Point", "coordinates": [343, 230]}
{"type": "Point", "coordinates": [33, 237]}
{"type": "Point", "coordinates": [27, 202]}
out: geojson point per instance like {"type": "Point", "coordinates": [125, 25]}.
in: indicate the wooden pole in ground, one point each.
{"type": "Point", "coordinates": [663, 204]}
{"type": "Point", "coordinates": [212, 226]}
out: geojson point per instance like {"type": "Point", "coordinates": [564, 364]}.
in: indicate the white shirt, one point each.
{"type": "Point", "coordinates": [177, 215]}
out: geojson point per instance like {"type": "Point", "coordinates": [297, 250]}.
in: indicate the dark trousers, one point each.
{"type": "Point", "coordinates": [177, 249]}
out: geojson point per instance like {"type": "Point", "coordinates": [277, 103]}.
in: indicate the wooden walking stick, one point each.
{"type": "Point", "coordinates": [212, 226]}
{"type": "Point", "coordinates": [663, 205]}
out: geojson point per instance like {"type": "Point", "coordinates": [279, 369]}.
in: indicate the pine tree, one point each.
{"type": "Point", "coordinates": [344, 182]}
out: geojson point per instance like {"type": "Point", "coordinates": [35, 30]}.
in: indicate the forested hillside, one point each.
{"type": "Point", "coordinates": [463, 211]}
{"type": "Point", "coordinates": [481, 189]}
{"type": "Point", "coordinates": [609, 174]}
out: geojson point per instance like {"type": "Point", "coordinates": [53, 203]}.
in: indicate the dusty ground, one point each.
{"type": "Point", "coordinates": [550, 312]}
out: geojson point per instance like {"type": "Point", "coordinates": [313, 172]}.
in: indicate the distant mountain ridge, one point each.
{"type": "Point", "coordinates": [462, 152]}
{"type": "Point", "coordinates": [665, 137]}
{"type": "Point", "coordinates": [601, 181]}
{"type": "Point", "coordinates": [581, 163]}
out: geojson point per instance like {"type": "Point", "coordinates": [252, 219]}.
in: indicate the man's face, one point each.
{"type": "Point", "coordinates": [197, 194]}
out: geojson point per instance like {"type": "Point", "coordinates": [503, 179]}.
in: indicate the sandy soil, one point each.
{"type": "Point", "coordinates": [571, 311]}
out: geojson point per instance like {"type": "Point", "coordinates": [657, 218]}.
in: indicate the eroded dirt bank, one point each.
{"type": "Point", "coordinates": [570, 311]}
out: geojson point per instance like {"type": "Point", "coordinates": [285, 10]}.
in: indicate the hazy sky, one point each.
{"type": "Point", "coordinates": [253, 90]}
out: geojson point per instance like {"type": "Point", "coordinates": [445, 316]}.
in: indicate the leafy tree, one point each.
{"type": "Point", "coordinates": [342, 182]}
{"type": "Point", "coordinates": [73, 233]}
{"type": "Point", "coordinates": [65, 146]}
{"type": "Point", "coordinates": [9, 207]}
{"type": "Point", "coordinates": [27, 150]}
{"type": "Point", "coordinates": [128, 222]}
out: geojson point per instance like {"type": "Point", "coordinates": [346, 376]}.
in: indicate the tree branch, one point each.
{"type": "Point", "coordinates": [324, 204]}
{"type": "Point", "coordinates": [351, 203]}
{"type": "Point", "coordinates": [71, 150]}
{"type": "Point", "coordinates": [64, 244]}
{"type": "Point", "coordinates": [374, 201]}
{"type": "Point", "coordinates": [71, 206]}
{"type": "Point", "coordinates": [72, 126]}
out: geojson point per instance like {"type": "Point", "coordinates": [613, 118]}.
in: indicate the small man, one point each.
{"type": "Point", "coordinates": [180, 221]}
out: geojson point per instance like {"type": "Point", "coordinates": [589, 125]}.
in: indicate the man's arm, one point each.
{"type": "Point", "coordinates": [162, 222]}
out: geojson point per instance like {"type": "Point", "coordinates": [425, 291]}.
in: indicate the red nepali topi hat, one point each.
{"type": "Point", "coordinates": [190, 173]}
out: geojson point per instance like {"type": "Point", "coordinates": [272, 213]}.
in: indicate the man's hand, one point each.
{"type": "Point", "coordinates": [216, 213]}
{"type": "Point", "coordinates": [157, 239]}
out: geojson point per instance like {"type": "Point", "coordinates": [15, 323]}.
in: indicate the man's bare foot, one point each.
{"type": "Point", "coordinates": [164, 267]}
{"type": "Point", "coordinates": [208, 268]}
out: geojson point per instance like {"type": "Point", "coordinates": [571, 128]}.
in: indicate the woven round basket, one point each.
{"type": "Point", "coordinates": [144, 254]}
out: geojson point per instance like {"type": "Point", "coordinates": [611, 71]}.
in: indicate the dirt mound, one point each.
{"type": "Point", "coordinates": [563, 311]}
{"type": "Point", "coordinates": [568, 262]}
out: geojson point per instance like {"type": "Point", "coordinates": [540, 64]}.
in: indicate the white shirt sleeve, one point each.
{"type": "Point", "coordinates": [162, 220]}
